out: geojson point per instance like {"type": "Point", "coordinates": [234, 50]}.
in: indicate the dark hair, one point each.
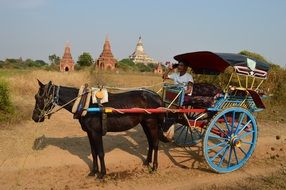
{"type": "Point", "coordinates": [177, 64]}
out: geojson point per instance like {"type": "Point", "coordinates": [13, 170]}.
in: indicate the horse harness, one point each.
{"type": "Point", "coordinates": [83, 98]}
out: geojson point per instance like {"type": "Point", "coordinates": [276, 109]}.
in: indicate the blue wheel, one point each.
{"type": "Point", "coordinates": [185, 136]}
{"type": "Point", "coordinates": [230, 139]}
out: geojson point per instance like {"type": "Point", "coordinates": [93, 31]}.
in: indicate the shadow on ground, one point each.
{"type": "Point", "coordinates": [133, 142]}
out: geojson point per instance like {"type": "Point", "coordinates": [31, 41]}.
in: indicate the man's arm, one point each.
{"type": "Point", "coordinates": [165, 75]}
{"type": "Point", "coordinates": [189, 88]}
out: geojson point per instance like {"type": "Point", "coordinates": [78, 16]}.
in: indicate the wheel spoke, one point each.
{"type": "Point", "coordinates": [240, 130]}
{"type": "Point", "coordinates": [223, 156]}
{"type": "Point", "coordinates": [179, 127]}
{"type": "Point", "coordinates": [242, 150]}
{"type": "Point", "coordinates": [239, 122]}
{"type": "Point", "coordinates": [235, 155]}
{"type": "Point", "coordinates": [186, 135]}
{"type": "Point", "coordinates": [217, 145]}
{"type": "Point", "coordinates": [218, 153]}
{"type": "Point", "coordinates": [245, 134]}
{"type": "Point", "coordinates": [226, 123]}
{"type": "Point", "coordinates": [232, 122]}
{"type": "Point", "coordinates": [219, 129]}
{"type": "Point", "coordinates": [229, 158]}
{"type": "Point", "coordinates": [181, 131]}
{"type": "Point", "coordinates": [217, 137]}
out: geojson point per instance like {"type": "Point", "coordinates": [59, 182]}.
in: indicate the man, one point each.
{"type": "Point", "coordinates": [181, 77]}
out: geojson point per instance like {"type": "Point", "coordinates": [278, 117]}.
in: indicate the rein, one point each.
{"type": "Point", "coordinates": [53, 100]}
{"type": "Point", "coordinates": [61, 107]}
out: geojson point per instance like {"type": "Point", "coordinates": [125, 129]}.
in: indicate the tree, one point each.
{"type": "Point", "coordinates": [259, 58]}
{"type": "Point", "coordinates": [54, 59]}
{"type": "Point", "coordinates": [85, 59]}
{"type": "Point", "coordinates": [253, 55]}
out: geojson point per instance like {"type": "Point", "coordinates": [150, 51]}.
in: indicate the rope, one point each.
{"type": "Point", "coordinates": [142, 109]}
{"type": "Point", "coordinates": [61, 107]}
{"type": "Point", "coordinates": [168, 109]}
{"type": "Point", "coordinates": [133, 88]}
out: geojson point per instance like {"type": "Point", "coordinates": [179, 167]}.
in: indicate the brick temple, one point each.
{"type": "Point", "coordinates": [106, 60]}
{"type": "Point", "coordinates": [67, 63]}
{"type": "Point", "coordinates": [158, 69]}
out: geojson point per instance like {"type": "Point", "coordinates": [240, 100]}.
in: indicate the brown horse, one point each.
{"type": "Point", "coordinates": [50, 95]}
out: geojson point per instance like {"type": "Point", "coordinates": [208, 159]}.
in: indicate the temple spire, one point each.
{"type": "Point", "coordinates": [67, 63]}
{"type": "Point", "coordinates": [106, 59]}
{"type": "Point", "coordinates": [139, 56]}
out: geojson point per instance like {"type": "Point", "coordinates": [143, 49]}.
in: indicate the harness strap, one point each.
{"type": "Point", "coordinates": [104, 123]}
{"type": "Point", "coordinates": [61, 107]}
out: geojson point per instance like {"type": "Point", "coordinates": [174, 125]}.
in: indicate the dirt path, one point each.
{"type": "Point", "coordinates": [63, 159]}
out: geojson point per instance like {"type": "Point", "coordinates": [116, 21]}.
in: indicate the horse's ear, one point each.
{"type": "Point", "coordinates": [40, 83]}
{"type": "Point", "coordinates": [50, 83]}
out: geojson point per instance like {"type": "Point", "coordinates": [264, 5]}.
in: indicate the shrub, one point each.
{"type": "Point", "coordinates": [6, 107]}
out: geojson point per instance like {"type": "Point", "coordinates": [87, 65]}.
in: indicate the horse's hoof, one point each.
{"type": "Point", "coordinates": [92, 173]}
{"type": "Point", "coordinates": [100, 176]}
{"type": "Point", "coordinates": [154, 168]}
{"type": "Point", "coordinates": [146, 163]}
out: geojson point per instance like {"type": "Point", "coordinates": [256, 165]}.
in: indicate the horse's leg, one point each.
{"type": "Point", "coordinates": [97, 136]}
{"type": "Point", "coordinates": [94, 169]}
{"type": "Point", "coordinates": [151, 126]}
{"type": "Point", "coordinates": [154, 130]}
{"type": "Point", "coordinates": [149, 139]}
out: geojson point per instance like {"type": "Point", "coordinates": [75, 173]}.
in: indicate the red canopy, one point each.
{"type": "Point", "coordinates": [214, 63]}
{"type": "Point", "coordinates": [203, 62]}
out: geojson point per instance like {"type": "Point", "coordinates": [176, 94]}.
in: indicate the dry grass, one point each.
{"type": "Point", "coordinates": [24, 85]}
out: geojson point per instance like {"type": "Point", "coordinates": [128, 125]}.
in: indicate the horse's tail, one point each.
{"type": "Point", "coordinates": [162, 137]}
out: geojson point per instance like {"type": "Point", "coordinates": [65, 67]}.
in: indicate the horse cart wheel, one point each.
{"type": "Point", "coordinates": [186, 136]}
{"type": "Point", "coordinates": [189, 136]}
{"type": "Point", "coordinates": [230, 139]}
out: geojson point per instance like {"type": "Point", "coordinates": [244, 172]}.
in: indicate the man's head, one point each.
{"type": "Point", "coordinates": [182, 67]}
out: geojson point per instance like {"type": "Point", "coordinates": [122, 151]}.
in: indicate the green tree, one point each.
{"type": "Point", "coordinates": [126, 65]}
{"type": "Point", "coordinates": [55, 62]}
{"type": "Point", "coordinates": [54, 59]}
{"type": "Point", "coordinates": [260, 58]}
{"type": "Point", "coordinates": [85, 59]}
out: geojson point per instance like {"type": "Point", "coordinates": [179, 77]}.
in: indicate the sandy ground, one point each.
{"type": "Point", "coordinates": [63, 158]}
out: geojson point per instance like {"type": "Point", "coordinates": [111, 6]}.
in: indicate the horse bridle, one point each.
{"type": "Point", "coordinates": [51, 101]}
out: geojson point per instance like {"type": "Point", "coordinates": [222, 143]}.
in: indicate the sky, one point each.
{"type": "Point", "coordinates": [38, 28]}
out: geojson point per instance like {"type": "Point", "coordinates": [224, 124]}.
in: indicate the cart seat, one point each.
{"type": "Point", "coordinates": [204, 95]}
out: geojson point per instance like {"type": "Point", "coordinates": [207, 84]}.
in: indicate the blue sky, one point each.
{"type": "Point", "coordinates": [37, 28]}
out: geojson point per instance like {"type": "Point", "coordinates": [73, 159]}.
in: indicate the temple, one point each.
{"type": "Point", "coordinates": [158, 69]}
{"type": "Point", "coordinates": [139, 56]}
{"type": "Point", "coordinates": [67, 63]}
{"type": "Point", "coordinates": [106, 59]}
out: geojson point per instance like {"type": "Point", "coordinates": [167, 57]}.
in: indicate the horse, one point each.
{"type": "Point", "coordinates": [50, 95]}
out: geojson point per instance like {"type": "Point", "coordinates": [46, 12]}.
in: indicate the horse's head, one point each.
{"type": "Point", "coordinates": [45, 101]}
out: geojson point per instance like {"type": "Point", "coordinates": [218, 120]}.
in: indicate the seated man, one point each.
{"type": "Point", "coordinates": [181, 77]}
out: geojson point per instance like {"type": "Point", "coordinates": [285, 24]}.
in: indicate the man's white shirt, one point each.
{"type": "Point", "coordinates": [181, 80]}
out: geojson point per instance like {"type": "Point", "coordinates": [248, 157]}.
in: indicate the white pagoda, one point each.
{"type": "Point", "coordinates": [139, 56]}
